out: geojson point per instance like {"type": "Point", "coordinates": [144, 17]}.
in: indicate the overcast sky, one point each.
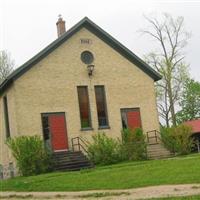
{"type": "Point", "coordinates": [27, 26]}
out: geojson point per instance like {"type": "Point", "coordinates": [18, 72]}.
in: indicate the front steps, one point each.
{"type": "Point", "coordinates": [158, 151]}
{"type": "Point", "coordinates": [70, 161]}
{"type": "Point", "coordinates": [155, 147]}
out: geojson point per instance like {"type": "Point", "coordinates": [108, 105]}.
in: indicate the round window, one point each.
{"type": "Point", "coordinates": [87, 57]}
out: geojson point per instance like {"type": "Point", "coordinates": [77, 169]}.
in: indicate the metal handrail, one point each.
{"type": "Point", "coordinates": [156, 136]}
{"type": "Point", "coordinates": [81, 143]}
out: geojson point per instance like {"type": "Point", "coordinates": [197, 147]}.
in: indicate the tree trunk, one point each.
{"type": "Point", "coordinates": [171, 103]}
{"type": "Point", "coordinates": [167, 121]}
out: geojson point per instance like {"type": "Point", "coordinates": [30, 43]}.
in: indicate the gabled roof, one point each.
{"type": "Point", "coordinates": [195, 124]}
{"type": "Point", "coordinates": [92, 27]}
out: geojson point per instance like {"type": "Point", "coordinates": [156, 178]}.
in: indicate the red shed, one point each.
{"type": "Point", "coordinates": [195, 124]}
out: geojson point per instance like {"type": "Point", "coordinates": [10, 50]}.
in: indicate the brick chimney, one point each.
{"type": "Point", "coordinates": [60, 26]}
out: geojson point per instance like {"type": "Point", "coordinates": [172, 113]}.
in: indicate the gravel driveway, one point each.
{"type": "Point", "coordinates": [128, 194]}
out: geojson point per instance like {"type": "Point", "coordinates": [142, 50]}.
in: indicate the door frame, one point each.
{"type": "Point", "coordinates": [46, 114]}
{"type": "Point", "coordinates": [131, 109]}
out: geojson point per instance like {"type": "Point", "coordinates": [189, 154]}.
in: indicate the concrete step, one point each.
{"type": "Point", "coordinates": [67, 153]}
{"type": "Point", "coordinates": [159, 157]}
{"type": "Point", "coordinates": [71, 158]}
{"type": "Point", "coordinates": [73, 165]}
{"type": "Point", "coordinates": [71, 161]}
{"type": "Point", "coordinates": [158, 151]}
{"type": "Point", "coordinates": [74, 168]}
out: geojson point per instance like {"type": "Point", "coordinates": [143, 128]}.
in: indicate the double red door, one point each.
{"type": "Point", "coordinates": [55, 131]}
{"type": "Point", "coordinates": [131, 118]}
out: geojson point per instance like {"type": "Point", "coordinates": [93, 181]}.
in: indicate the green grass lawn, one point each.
{"type": "Point", "coordinates": [120, 176]}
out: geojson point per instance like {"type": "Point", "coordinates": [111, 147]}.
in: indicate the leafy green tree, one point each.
{"type": "Point", "coordinates": [190, 101]}
{"type": "Point", "coordinates": [6, 65]}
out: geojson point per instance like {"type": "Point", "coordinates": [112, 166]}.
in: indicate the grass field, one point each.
{"type": "Point", "coordinates": [120, 176]}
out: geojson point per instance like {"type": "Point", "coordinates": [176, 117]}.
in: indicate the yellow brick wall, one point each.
{"type": "Point", "coordinates": [5, 154]}
{"type": "Point", "coordinates": [51, 86]}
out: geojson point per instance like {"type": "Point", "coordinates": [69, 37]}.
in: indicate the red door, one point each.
{"type": "Point", "coordinates": [58, 132]}
{"type": "Point", "coordinates": [133, 119]}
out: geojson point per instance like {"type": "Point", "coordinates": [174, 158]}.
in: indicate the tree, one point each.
{"type": "Point", "coordinates": [168, 59]}
{"type": "Point", "coordinates": [6, 65]}
{"type": "Point", "coordinates": [190, 101]}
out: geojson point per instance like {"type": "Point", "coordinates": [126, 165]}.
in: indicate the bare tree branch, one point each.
{"type": "Point", "coordinates": [169, 61]}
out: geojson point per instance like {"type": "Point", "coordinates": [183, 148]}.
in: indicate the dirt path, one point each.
{"type": "Point", "coordinates": [129, 194]}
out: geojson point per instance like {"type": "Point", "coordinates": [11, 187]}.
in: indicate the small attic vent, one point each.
{"type": "Point", "coordinates": [85, 41]}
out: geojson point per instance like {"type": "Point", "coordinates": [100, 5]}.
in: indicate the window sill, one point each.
{"type": "Point", "coordinates": [87, 129]}
{"type": "Point", "coordinates": [104, 127]}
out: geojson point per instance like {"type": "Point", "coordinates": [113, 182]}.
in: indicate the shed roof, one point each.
{"type": "Point", "coordinates": [195, 125]}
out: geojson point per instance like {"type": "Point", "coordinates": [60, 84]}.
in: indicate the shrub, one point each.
{"type": "Point", "coordinates": [133, 144]}
{"type": "Point", "coordinates": [168, 139]}
{"type": "Point", "coordinates": [30, 154]}
{"type": "Point", "coordinates": [104, 150]}
{"type": "Point", "coordinates": [178, 139]}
